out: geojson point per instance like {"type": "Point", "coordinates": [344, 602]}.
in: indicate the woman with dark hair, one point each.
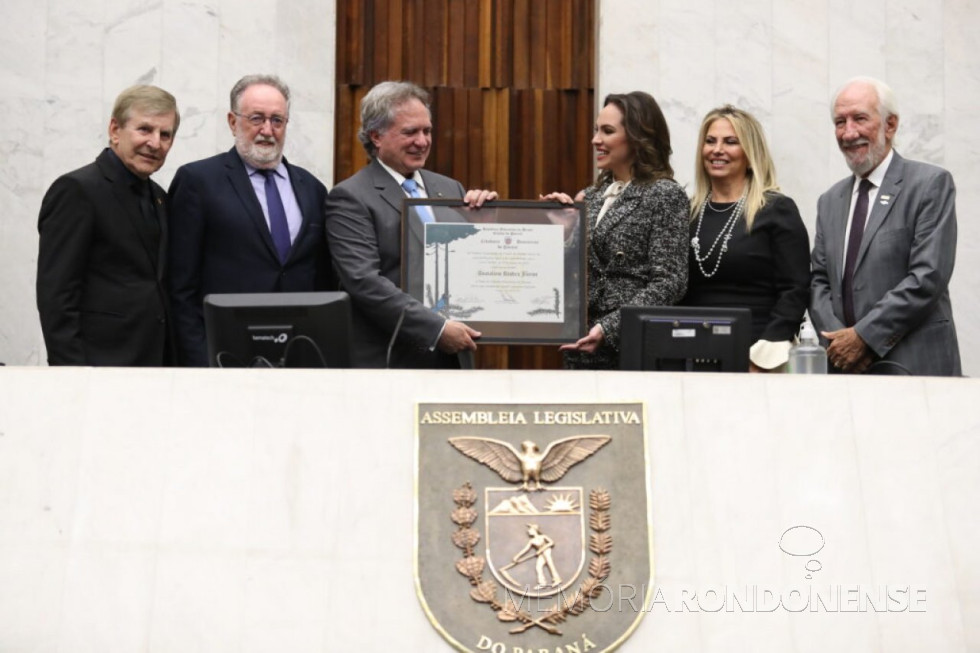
{"type": "Point", "coordinates": [637, 213]}
{"type": "Point", "coordinates": [749, 246]}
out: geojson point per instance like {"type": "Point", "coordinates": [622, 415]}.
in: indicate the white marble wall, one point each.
{"type": "Point", "coordinates": [64, 61]}
{"type": "Point", "coordinates": [783, 60]}
{"type": "Point", "coordinates": [171, 511]}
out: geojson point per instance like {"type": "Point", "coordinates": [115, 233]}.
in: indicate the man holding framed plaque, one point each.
{"type": "Point", "coordinates": [363, 224]}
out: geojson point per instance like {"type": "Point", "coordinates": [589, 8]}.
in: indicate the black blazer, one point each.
{"type": "Point", "coordinates": [220, 243]}
{"type": "Point", "coordinates": [101, 289]}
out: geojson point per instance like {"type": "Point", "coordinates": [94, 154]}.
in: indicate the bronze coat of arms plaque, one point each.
{"type": "Point", "coordinates": [531, 525]}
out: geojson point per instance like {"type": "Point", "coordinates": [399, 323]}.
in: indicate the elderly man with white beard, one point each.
{"type": "Point", "coordinates": [884, 248]}
{"type": "Point", "coordinates": [245, 221]}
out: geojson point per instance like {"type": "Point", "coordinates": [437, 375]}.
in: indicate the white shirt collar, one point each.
{"type": "Point", "coordinates": [615, 188]}
{"type": "Point", "coordinates": [280, 169]}
{"type": "Point", "coordinates": [877, 176]}
{"type": "Point", "coordinates": [398, 177]}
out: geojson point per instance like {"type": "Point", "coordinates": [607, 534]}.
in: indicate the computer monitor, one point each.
{"type": "Point", "coordinates": [306, 329]}
{"type": "Point", "coordinates": [685, 339]}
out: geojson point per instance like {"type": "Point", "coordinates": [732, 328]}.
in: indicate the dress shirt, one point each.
{"type": "Point", "coordinates": [294, 217]}
{"type": "Point", "coordinates": [876, 177]}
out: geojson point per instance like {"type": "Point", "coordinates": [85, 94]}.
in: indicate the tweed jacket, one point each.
{"type": "Point", "coordinates": [637, 256]}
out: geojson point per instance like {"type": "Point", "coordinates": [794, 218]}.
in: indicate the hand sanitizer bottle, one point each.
{"type": "Point", "coordinates": [807, 357]}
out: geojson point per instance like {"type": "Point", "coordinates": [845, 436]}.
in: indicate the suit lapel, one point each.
{"type": "Point", "coordinates": [305, 199]}
{"type": "Point", "coordinates": [884, 201]}
{"type": "Point", "coordinates": [840, 210]}
{"type": "Point", "coordinates": [129, 203]}
{"type": "Point", "coordinates": [238, 178]}
{"type": "Point", "coordinates": [394, 196]}
{"type": "Point", "coordinates": [623, 207]}
{"type": "Point", "coordinates": [435, 189]}
{"type": "Point", "coordinates": [385, 184]}
{"type": "Point", "coordinates": [160, 208]}
{"type": "Point", "coordinates": [620, 209]}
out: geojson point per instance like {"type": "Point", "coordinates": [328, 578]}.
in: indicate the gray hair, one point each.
{"type": "Point", "coordinates": [255, 80]}
{"type": "Point", "coordinates": [379, 106]}
{"type": "Point", "coordinates": [887, 106]}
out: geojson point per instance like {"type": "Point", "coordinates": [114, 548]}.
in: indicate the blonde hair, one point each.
{"type": "Point", "coordinates": [760, 174]}
{"type": "Point", "coordinates": [150, 99]}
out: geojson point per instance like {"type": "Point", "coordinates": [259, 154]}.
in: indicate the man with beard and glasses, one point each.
{"type": "Point", "coordinates": [101, 265]}
{"type": "Point", "coordinates": [884, 248]}
{"type": "Point", "coordinates": [245, 221]}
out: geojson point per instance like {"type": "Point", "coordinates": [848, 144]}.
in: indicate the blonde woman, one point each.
{"type": "Point", "coordinates": [749, 246]}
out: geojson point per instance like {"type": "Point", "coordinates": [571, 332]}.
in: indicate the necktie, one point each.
{"type": "Point", "coordinates": [149, 216]}
{"type": "Point", "coordinates": [277, 216]}
{"type": "Point", "coordinates": [146, 205]}
{"type": "Point", "coordinates": [853, 246]}
{"type": "Point", "coordinates": [424, 212]}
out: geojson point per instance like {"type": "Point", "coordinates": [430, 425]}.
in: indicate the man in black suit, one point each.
{"type": "Point", "coordinates": [364, 228]}
{"type": "Point", "coordinates": [101, 288]}
{"type": "Point", "coordinates": [246, 221]}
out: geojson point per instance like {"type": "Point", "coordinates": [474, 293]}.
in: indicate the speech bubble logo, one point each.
{"type": "Point", "coordinates": [802, 541]}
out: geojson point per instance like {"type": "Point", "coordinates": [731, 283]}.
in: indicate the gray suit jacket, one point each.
{"type": "Point", "coordinates": [901, 279]}
{"type": "Point", "coordinates": [364, 234]}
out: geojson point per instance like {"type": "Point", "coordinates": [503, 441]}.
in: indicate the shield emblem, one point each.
{"type": "Point", "coordinates": [535, 541]}
{"type": "Point", "coordinates": [531, 524]}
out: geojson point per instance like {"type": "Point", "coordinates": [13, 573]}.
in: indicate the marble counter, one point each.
{"type": "Point", "coordinates": [267, 510]}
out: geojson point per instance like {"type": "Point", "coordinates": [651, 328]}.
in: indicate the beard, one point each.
{"type": "Point", "coordinates": [877, 150]}
{"type": "Point", "coordinates": [257, 152]}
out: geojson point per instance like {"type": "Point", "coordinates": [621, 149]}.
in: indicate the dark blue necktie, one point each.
{"type": "Point", "coordinates": [277, 216]}
{"type": "Point", "coordinates": [858, 221]}
{"type": "Point", "coordinates": [424, 212]}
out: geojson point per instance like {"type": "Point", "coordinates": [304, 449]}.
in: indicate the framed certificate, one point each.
{"type": "Point", "coordinates": [513, 270]}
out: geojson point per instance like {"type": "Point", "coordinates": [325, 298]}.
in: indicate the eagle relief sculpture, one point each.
{"type": "Point", "coordinates": [529, 465]}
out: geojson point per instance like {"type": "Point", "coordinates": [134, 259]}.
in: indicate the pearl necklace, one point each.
{"type": "Point", "coordinates": [725, 206]}
{"type": "Point", "coordinates": [723, 236]}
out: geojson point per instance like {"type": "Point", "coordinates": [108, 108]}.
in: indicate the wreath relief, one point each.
{"type": "Point", "coordinates": [466, 537]}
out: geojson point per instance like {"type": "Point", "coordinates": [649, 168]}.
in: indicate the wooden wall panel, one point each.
{"type": "Point", "coordinates": [512, 97]}
{"type": "Point", "coordinates": [503, 45]}
{"type": "Point", "coordinates": [521, 56]}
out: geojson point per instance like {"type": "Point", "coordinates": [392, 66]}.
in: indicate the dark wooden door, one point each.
{"type": "Point", "coordinates": [512, 97]}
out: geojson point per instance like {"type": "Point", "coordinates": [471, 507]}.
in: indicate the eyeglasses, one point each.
{"type": "Point", "coordinates": [257, 120]}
